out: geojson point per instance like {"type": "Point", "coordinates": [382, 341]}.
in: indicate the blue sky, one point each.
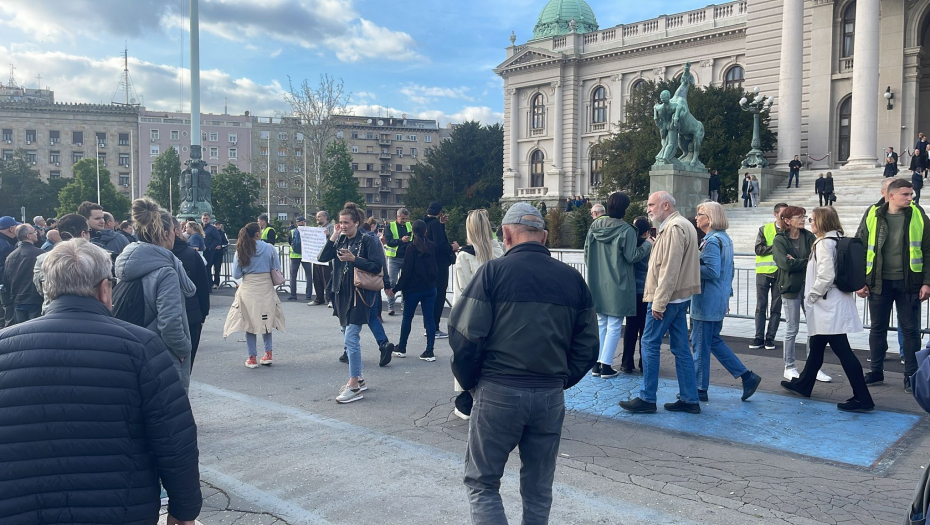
{"type": "Point", "coordinates": [429, 59]}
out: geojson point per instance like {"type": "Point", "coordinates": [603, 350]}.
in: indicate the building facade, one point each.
{"type": "Point", "coordinates": [278, 155]}
{"type": "Point", "coordinates": [848, 77]}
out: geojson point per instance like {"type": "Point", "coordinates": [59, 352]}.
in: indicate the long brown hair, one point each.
{"type": "Point", "coordinates": [827, 220]}
{"type": "Point", "coordinates": [245, 245]}
{"type": "Point", "coordinates": [153, 223]}
{"type": "Point", "coordinates": [419, 236]}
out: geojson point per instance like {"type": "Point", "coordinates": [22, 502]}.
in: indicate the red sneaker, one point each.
{"type": "Point", "coordinates": [266, 359]}
{"type": "Point", "coordinates": [251, 362]}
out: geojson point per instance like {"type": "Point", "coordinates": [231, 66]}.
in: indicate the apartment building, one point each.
{"type": "Point", "coordinates": [57, 135]}
{"type": "Point", "coordinates": [278, 155]}
{"type": "Point", "coordinates": [224, 139]}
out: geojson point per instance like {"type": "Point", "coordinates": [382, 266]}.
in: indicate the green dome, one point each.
{"type": "Point", "coordinates": [557, 15]}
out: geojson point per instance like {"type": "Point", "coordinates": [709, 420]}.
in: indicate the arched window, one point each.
{"type": "Point", "coordinates": [537, 169]}
{"type": "Point", "coordinates": [734, 77]}
{"type": "Point", "coordinates": [844, 126]}
{"type": "Point", "coordinates": [597, 164]}
{"type": "Point", "coordinates": [599, 105]}
{"type": "Point", "coordinates": [639, 84]}
{"type": "Point", "coordinates": [539, 112]}
{"type": "Point", "coordinates": [849, 30]}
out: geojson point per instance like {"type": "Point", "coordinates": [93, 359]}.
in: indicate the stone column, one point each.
{"type": "Point", "coordinates": [864, 132]}
{"type": "Point", "coordinates": [514, 129]}
{"type": "Point", "coordinates": [557, 127]}
{"type": "Point", "coordinates": [791, 70]}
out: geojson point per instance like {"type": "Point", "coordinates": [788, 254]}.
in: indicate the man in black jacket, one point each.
{"type": "Point", "coordinates": [213, 240]}
{"type": "Point", "coordinates": [114, 420]}
{"type": "Point", "coordinates": [523, 331]}
{"type": "Point", "coordinates": [445, 256]}
{"type": "Point", "coordinates": [713, 186]}
{"type": "Point", "coordinates": [7, 245]}
{"type": "Point", "coordinates": [17, 276]}
{"type": "Point", "coordinates": [100, 235]}
{"type": "Point", "coordinates": [198, 306]}
{"type": "Point", "coordinates": [794, 171]}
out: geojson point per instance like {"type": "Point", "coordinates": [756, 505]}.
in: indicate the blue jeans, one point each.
{"type": "Point", "coordinates": [608, 328]}
{"type": "Point", "coordinates": [374, 324]}
{"type": "Point", "coordinates": [427, 301]}
{"type": "Point", "coordinates": [251, 342]}
{"type": "Point", "coordinates": [394, 267]}
{"type": "Point", "coordinates": [705, 340]}
{"type": "Point", "coordinates": [354, 349]}
{"type": "Point", "coordinates": [504, 418]}
{"type": "Point", "coordinates": [675, 324]}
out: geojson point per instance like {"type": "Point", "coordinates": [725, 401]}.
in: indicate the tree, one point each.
{"type": "Point", "coordinates": [21, 186]}
{"type": "Point", "coordinates": [314, 114]}
{"type": "Point", "coordinates": [235, 194]}
{"type": "Point", "coordinates": [339, 185]}
{"type": "Point", "coordinates": [83, 187]}
{"type": "Point", "coordinates": [464, 171]}
{"type": "Point", "coordinates": [165, 184]}
{"type": "Point", "coordinates": [629, 153]}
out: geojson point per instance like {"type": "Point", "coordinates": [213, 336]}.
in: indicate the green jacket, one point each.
{"type": "Point", "coordinates": [610, 251]}
{"type": "Point", "coordinates": [792, 272]}
{"type": "Point", "coordinates": [912, 281]}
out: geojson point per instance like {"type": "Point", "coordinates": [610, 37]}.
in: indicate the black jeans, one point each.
{"type": "Point", "coordinates": [321, 275]}
{"type": "Point", "coordinates": [820, 194]}
{"type": "Point", "coordinates": [296, 265]}
{"type": "Point", "coordinates": [766, 286]}
{"type": "Point", "coordinates": [6, 308]}
{"type": "Point", "coordinates": [632, 333]}
{"type": "Point", "coordinates": [196, 329]}
{"type": "Point", "coordinates": [21, 316]}
{"type": "Point", "coordinates": [893, 294]}
{"type": "Point", "coordinates": [442, 284]}
{"type": "Point", "coordinates": [216, 267]}
{"type": "Point", "coordinates": [851, 367]}
{"type": "Point", "coordinates": [502, 419]}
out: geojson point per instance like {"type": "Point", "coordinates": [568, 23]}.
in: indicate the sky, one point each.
{"type": "Point", "coordinates": [429, 59]}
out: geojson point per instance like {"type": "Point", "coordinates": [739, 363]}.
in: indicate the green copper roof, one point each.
{"type": "Point", "coordinates": [556, 17]}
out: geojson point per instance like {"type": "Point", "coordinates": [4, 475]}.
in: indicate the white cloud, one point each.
{"type": "Point", "coordinates": [276, 53]}
{"type": "Point", "coordinates": [367, 40]}
{"type": "Point", "coordinates": [424, 95]}
{"type": "Point", "coordinates": [95, 80]}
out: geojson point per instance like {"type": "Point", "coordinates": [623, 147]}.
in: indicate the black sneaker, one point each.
{"type": "Point", "coordinates": [769, 345]}
{"type": "Point", "coordinates": [638, 406]}
{"type": "Point", "coordinates": [608, 371]}
{"type": "Point", "coordinates": [399, 352]}
{"type": "Point", "coordinates": [291, 297]}
{"type": "Point", "coordinates": [756, 344]}
{"type": "Point", "coordinates": [681, 406]}
{"type": "Point", "coordinates": [854, 405]}
{"type": "Point", "coordinates": [907, 384]}
{"type": "Point", "coordinates": [874, 378]}
{"type": "Point", "coordinates": [428, 356]}
{"type": "Point", "coordinates": [791, 387]}
{"type": "Point", "coordinates": [750, 384]}
{"type": "Point", "coordinates": [596, 371]}
{"type": "Point", "coordinates": [391, 312]}
{"type": "Point", "coordinates": [344, 358]}
{"type": "Point", "coordinates": [386, 348]}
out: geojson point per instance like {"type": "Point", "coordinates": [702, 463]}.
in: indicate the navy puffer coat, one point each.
{"type": "Point", "coordinates": [92, 413]}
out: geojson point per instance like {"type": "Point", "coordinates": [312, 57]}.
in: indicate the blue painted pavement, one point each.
{"type": "Point", "coordinates": [786, 423]}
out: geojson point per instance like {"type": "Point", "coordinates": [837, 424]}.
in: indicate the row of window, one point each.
{"type": "Point", "coordinates": [397, 151]}
{"type": "Point", "coordinates": [174, 134]}
{"type": "Point", "coordinates": [282, 152]}
{"type": "Point", "coordinates": [384, 167]}
{"type": "Point", "coordinates": [54, 157]}
{"type": "Point", "coordinates": [54, 137]}
{"type": "Point", "coordinates": [232, 153]}
{"type": "Point", "coordinates": [371, 136]}
{"type": "Point", "coordinates": [282, 135]}
{"type": "Point", "coordinates": [538, 168]}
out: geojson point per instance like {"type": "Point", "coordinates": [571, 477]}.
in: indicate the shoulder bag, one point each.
{"type": "Point", "coordinates": [277, 278]}
{"type": "Point", "coordinates": [367, 280]}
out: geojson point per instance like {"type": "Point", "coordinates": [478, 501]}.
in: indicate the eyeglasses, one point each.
{"type": "Point", "coordinates": [700, 215]}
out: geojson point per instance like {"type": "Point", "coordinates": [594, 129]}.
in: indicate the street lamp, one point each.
{"type": "Point", "coordinates": [759, 105]}
{"type": "Point", "coordinates": [889, 96]}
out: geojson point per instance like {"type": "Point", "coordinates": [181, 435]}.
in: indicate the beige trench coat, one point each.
{"type": "Point", "coordinates": [256, 309]}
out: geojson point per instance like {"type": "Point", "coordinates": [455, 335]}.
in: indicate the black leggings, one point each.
{"type": "Point", "coordinates": [632, 333]}
{"type": "Point", "coordinates": [840, 346]}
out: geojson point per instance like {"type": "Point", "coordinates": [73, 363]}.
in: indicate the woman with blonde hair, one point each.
{"type": "Point", "coordinates": [831, 314]}
{"type": "Point", "coordinates": [482, 247]}
{"type": "Point", "coordinates": [754, 191]}
{"type": "Point", "coordinates": [256, 308]}
{"type": "Point", "coordinates": [709, 307]}
{"type": "Point", "coordinates": [195, 236]}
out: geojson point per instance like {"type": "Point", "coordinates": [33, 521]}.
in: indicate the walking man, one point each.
{"type": "Point", "coordinates": [297, 263]}
{"type": "Point", "coordinates": [17, 275]}
{"type": "Point", "coordinates": [897, 242]}
{"type": "Point", "coordinates": [445, 256]}
{"type": "Point", "coordinates": [794, 171]}
{"type": "Point", "coordinates": [767, 283]}
{"type": "Point", "coordinates": [517, 358]}
{"type": "Point", "coordinates": [674, 276]}
{"type": "Point", "coordinates": [397, 236]}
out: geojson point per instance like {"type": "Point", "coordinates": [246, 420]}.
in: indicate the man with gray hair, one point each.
{"type": "Point", "coordinates": [523, 331]}
{"type": "Point", "coordinates": [598, 211]}
{"type": "Point", "coordinates": [67, 362]}
{"type": "Point", "coordinates": [322, 272]}
{"type": "Point", "coordinates": [17, 276]}
{"type": "Point", "coordinates": [397, 236]}
{"type": "Point", "coordinates": [674, 275]}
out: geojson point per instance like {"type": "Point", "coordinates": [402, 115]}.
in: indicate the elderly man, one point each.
{"type": "Point", "coordinates": [397, 236]}
{"type": "Point", "coordinates": [598, 211]}
{"type": "Point", "coordinates": [82, 459]}
{"type": "Point", "coordinates": [38, 222]}
{"type": "Point", "coordinates": [674, 275]}
{"type": "Point", "coordinates": [51, 239]}
{"type": "Point", "coordinates": [17, 276]}
{"type": "Point", "coordinates": [322, 272]}
{"type": "Point", "coordinates": [523, 331]}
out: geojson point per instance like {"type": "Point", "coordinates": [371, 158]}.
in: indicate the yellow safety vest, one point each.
{"type": "Point", "coordinates": [265, 233]}
{"type": "Point", "coordinates": [915, 235]}
{"type": "Point", "coordinates": [294, 254]}
{"type": "Point", "coordinates": [391, 251]}
{"type": "Point", "coordinates": [766, 263]}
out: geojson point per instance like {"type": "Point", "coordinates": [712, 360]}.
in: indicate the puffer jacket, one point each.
{"type": "Point", "coordinates": [109, 240]}
{"type": "Point", "coordinates": [113, 420]}
{"type": "Point", "coordinates": [165, 285]}
{"type": "Point", "coordinates": [610, 250]}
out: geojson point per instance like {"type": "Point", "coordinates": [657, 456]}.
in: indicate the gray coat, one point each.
{"type": "Point", "coordinates": [165, 286]}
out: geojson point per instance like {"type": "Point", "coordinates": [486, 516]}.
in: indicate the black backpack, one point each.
{"type": "Point", "coordinates": [129, 302]}
{"type": "Point", "coordinates": [850, 264]}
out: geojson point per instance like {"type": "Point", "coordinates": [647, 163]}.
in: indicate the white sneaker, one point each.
{"type": "Point", "coordinates": [823, 377]}
{"type": "Point", "coordinates": [791, 373]}
{"type": "Point", "coordinates": [460, 415]}
{"type": "Point", "coordinates": [348, 395]}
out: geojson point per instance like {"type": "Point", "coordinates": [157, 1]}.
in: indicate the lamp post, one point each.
{"type": "Point", "coordinates": [759, 105]}
{"type": "Point", "coordinates": [97, 149]}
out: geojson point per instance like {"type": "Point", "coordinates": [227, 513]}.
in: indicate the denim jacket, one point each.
{"type": "Point", "coordinates": [716, 278]}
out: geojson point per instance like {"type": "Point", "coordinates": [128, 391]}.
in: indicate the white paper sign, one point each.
{"type": "Point", "coordinates": [312, 241]}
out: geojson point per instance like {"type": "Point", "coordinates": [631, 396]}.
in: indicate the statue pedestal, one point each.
{"type": "Point", "coordinates": [769, 181]}
{"type": "Point", "coordinates": [689, 188]}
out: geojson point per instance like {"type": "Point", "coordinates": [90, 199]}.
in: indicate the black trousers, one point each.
{"type": "Point", "coordinates": [196, 329]}
{"type": "Point", "coordinates": [215, 268]}
{"type": "Point", "coordinates": [632, 333]}
{"type": "Point", "coordinates": [880, 305]}
{"type": "Point", "coordinates": [851, 367]}
{"type": "Point", "coordinates": [442, 284]}
{"type": "Point", "coordinates": [321, 275]}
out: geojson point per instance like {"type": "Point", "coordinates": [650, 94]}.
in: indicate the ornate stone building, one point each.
{"type": "Point", "coordinates": [831, 65]}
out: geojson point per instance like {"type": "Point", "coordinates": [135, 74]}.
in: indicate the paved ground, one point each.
{"type": "Point", "coordinates": [276, 448]}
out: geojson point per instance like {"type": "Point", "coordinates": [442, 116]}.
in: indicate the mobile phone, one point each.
{"type": "Point", "coordinates": [653, 232]}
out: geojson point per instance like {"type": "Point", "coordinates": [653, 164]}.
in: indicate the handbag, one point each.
{"type": "Point", "coordinates": [277, 278]}
{"type": "Point", "coordinates": [832, 197]}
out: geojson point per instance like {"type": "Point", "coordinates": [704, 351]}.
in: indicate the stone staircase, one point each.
{"type": "Point", "coordinates": [856, 190]}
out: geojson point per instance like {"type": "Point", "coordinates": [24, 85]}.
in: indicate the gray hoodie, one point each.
{"type": "Point", "coordinates": [165, 286]}
{"type": "Point", "coordinates": [109, 240]}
